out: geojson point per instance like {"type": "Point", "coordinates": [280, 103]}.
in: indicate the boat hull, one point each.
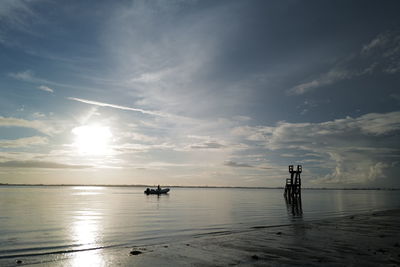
{"type": "Point", "coordinates": [156, 192]}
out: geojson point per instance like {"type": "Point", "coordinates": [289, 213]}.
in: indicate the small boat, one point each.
{"type": "Point", "coordinates": [157, 191]}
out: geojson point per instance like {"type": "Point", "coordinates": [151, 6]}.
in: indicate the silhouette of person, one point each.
{"type": "Point", "coordinates": [158, 188]}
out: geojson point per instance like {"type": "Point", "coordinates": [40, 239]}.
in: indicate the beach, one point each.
{"type": "Point", "coordinates": [368, 239]}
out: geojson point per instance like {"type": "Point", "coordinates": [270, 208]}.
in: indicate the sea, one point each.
{"type": "Point", "coordinates": [44, 220]}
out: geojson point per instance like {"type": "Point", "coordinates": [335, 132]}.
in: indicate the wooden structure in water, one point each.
{"type": "Point", "coordinates": [293, 184]}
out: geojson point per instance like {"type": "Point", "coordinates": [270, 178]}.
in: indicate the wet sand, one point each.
{"type": "Point", "coordinates": [364, 240]}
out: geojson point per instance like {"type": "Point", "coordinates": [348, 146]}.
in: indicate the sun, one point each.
{"type": "Point", "coordinates": [92, 139]}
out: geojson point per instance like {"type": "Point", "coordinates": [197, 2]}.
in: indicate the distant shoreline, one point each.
{"type": "Point", "coordinates": [195, 186]}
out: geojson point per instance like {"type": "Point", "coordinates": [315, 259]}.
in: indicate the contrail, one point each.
{"type": "Point", "coordinates": [101, 104]}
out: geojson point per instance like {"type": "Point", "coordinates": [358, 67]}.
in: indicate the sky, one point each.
{"type": "Point", "coordinates": [217, 93]}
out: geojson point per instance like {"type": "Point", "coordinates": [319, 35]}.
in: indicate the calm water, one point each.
{"type": "Point", "coordinates": [40, 220]}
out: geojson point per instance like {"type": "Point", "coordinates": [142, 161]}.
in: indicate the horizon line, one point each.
{"type": "Point", "coordinates": [206, 186]}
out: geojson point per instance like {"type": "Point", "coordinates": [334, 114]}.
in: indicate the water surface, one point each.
{"type": "Point", "coordinates": [38, 220]}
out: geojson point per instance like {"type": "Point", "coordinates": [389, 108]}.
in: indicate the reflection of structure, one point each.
{"type": "Point", "coordinates": [293, 206]}
{"type": "Point", "coordinates": [293, 184]}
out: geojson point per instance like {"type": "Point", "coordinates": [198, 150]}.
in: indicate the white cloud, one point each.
{"type": "Point", "coordinates": [207, 145]}
{"type": "Point", "coordinates": [139, 148]}
{"type": "Point", "coordinates": [152, 77]}
{"type": "Point", "coordinates": [40, 126]}
{"type": "Point", "coordinates": [38, 115]}
{"type": "Point", "coordinates": [379, 55]}
{"type": "Point", "coordinates": [23, 75]}
{"type": "Point", "coordinates": [171, 70]}
{"type": "Point", "coordinates": [140, 137]}
{"type": "Point", "coordinates": [199, 137]}
{"type": "Point", "coordinates": [40, 164]}
{"type": "Point", "coordinates": [377, 123]}
{"type": "Point", "coordinates": [29, 76]}
{"type": "Point", "coordinates": [24, 142]}
{"type": "Point", "coordinates": [46, 88]}
{"type": "Point", "coordinates": [236, 164]}
{"type": "Point", "coordinates": [257, 133]}
{"type": "Point", "coordinates": [353, 150]}
{"type": "Point", "coordinates": [379, 41]}
{"type": "Point", "coordinates": [328, 78]}
{"type": "Point", "coordinates": [393, 68]}
{"type": "Point", "coordinates": [14, 14]}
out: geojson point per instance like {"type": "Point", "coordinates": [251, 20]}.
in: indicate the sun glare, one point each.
{"type": "Point", "coordinates": [92, 139]}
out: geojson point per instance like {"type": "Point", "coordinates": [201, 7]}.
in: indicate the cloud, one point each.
{"type": "Point", "coordinates": [15, 14]}
{"type": "Point", "coordinates": [140, 137]}
{"type": "Point", "coordinates": [26, 76]}
{"type": "Point", "coordinates": [236, 164]}
{"type": "Point", "coordinates": [377, 123]}
{"type": "Point", "coordinates": [24, 142]}
{"type": "Point", "coordinates": [256, 133]}
{"type": "Point", "coordinates": [334, 75]}
{"type": "Point", "coordinates": [168, 118]}
{"type": "Point", "coordinates": [29, 76]}
{"type": "Point", "coordinates": [328, 78]}
{"type": "Point", "coordinates": [344, 132]}
{"type": "Point", "coordinates": [379, 55]}
{"type": "Point", "coordinates": [350, 150]}
{"type": "Point", "coordinates": [38, 115]}
{"type": "Point", "coordinates": [176, 66]}
{"type": "Point", "coordinates": [139, 148]}
{"type": "Point", "coordinates": [35, 124]}
{"type": "Point", "coordinates": [40, 164]}
{"type": "Point", "coordinates": [151, 77]}
{"type": "Point", "coordinates": [378, 42]}
{"type": "Point", "coordinates": [46, 88]}
{"type": "Point", "coordinates": [207, 145]}
{"type": "Point", "coordinates": [395, 68]}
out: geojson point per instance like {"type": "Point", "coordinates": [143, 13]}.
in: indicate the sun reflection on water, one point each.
{"type": "Point", "coordinates": [87, 190]}
{"type": "Point", "coordinates": [86, 234]}
{"type": "Point", "coordinates": [85, 231]}
{"type": "Point", "coordinates": [88, 258]}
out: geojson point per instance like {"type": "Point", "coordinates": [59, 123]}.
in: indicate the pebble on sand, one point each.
{"type": "Point", "coordinates": [135, 252]}
{"type": "Point", "coordinates": [255, 257]}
